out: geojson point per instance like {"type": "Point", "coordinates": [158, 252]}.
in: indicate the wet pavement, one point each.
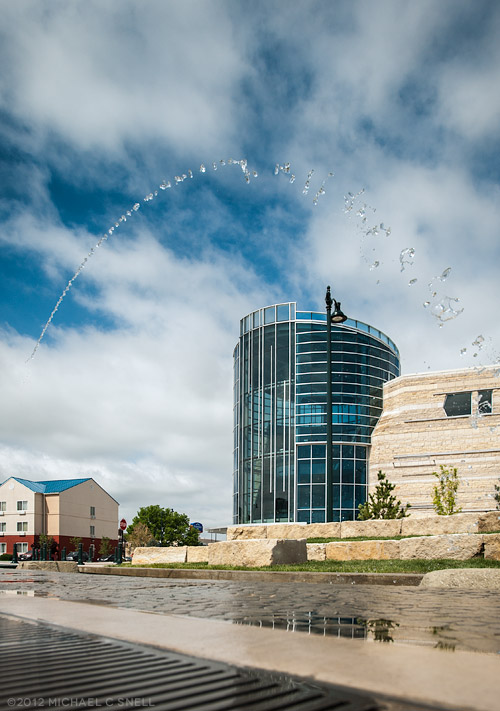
{"type": "Point", "coordinates": [443, 619]}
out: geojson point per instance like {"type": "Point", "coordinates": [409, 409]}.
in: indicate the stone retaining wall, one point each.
{"type": "Point", "coordinates": [409, 526]}
{"type": "Point", "coordinates": [457, 546]}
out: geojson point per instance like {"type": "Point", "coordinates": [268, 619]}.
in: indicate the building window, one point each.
{"type": "Point", "coordinates": [460, 404]}
{"type": "Point", "coordinates": [2, 527]}
{"type": "Point", "coordinates": [22, 547]}
{"type": "Point", "coordinates": [484, 402]}
{"type": "Point", "coordinates": [3, 548]}
{"type": "Point", "coordinates": [92, 531]}
{"type": "Point", "coordinates": [22, 505]}
{"type": "Point", "coordinates": [3, 506]}
{"type": "Point", "coordinates": [456, 404]}
{"type": "Point", "coordinates": [92, 512]}
{"type": "Point", "coordinates": [22, 526]}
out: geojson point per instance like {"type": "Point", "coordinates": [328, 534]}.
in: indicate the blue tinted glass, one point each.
{"type": "Point", "coordinates": [256, 319]}
{"type": "Point", "coordinates": [283, 312]}
{"type": "Point", "coordinates": [336, 471]}
{"type": "Point", "coordinates": [347, 496]}
{"type": "Point", "coordinates": [318, 470]}
{"type": "Point", "coordinates": [348, 451]}
{"type": "Point", "coordinates": [303, 315]}
{"type": "Point", "coordinates": [318, 451]}
{"type": "Point", "coordinates": [303, 471]}
{"type": "Point", "coordinates": [348, 471]}
{"type": "Point", "coordinates": [360, 495]}
{"type": "Point", "coordinates": [304, 452]}
{"type": "Point", "coordinates": [304, 517]}
{"type": "Point", "coordinates": [336, 496]}
{"type": "Point", "coordinates": [318, 516]}
{"type": "Point", "coordinates": [360, 452]}
{"type": "Point", "coordinates": [269, 315]}
{"type": "Point", "coordinates": [360, 471]}
{"type": "Point", "coordinates": [303, 497]}
{"type": "Point", "coordinates": [318, 496]}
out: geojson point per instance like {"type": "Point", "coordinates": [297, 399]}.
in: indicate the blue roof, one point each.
{"type": "Point", "coordinates": [50, 487]}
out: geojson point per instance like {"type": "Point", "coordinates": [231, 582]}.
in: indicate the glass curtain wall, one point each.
{"type": "Point", "coordinates": [280, 414]}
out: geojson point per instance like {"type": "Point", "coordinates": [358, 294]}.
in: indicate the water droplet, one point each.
{"type": "Point", "coordinates": [426, 304]}
{"type": "Point", "coordinates": [445, 274]}
{"type": "Point", "coordinates": [136, 207]}
{"type": "Point", "coordinates": [276, 168]}
{"type": "Point", "coordinates": [412, 281]}
{"type": "Point", "coordinates": [214, 165]}
{"type": "Point", "coordinates": [222, 161]}
{"type": "Point", "coordinates": [190, 173]}
{"type": "Point", "coordinates": [165, 185]}
{"type": "Point", "coordinates": [374, 265]}
{"type": "Point", "coordinates": [256, 175]}
{"type": "Point", "coordinates": [463, 351]}
{"type": "Point", "coordinates": [148, 197]}
{"type": "Point", "coordinates": [478, 342]}
{"type": "Point", "coordinates": [202, 169]}
{"type": "Point", "coordinates": [406, 257]}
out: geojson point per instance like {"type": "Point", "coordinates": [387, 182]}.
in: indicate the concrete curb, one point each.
{"type": "Point", "coordinates": [411, 579]}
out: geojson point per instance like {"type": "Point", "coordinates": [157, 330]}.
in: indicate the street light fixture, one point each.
{"type": "Point", "coordinates": [336, 317]}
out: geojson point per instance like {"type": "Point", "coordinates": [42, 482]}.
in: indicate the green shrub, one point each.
{"type": "Point", "coordinates": [444, 492]}
{"type": "Point", "coordinates": [6, 556]}
{"type": "Point", "coordinates": [382, 503]}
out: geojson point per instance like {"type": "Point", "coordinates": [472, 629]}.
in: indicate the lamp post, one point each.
{"type": "Point", "coordinates": [336, 317]}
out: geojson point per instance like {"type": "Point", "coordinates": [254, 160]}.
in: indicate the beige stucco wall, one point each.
{"type": "Point", "coordinates": [414, 436]}
{"type": "Point", "coordinates": [12, 491]}
{"type": "Point", "coordinates": [74, 511]}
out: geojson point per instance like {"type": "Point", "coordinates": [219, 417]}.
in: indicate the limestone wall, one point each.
{"type": "Point", "coordinates": [414, 436]}
{"type": "Point", "coordinates": [410, 526]}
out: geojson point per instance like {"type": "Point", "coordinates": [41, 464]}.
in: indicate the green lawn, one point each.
{"type": "Point", "coordinates": [351, 566]}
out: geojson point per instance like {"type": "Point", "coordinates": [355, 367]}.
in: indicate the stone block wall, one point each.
{"type": "Point", "coordinates": [414, 436]}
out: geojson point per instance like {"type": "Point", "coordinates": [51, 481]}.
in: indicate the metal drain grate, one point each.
{"type": "Point", "coordinates": [42, 666]}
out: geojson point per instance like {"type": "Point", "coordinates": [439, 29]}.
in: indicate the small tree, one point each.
{"type": "Point", "coordinates": [105, 547]}
{"type": "Point", "coordinates": [140, 536]}
{"type": "Point", "coordinates": [496, 496]}
{"type": "Point", "coordinates": [444, 493]}
{"type": "Point", "coordinates": [75, 542]}
{"type": "Point", "coordinates": [45, 540]}
{"type": "Point", "coordinates": [382, 503]}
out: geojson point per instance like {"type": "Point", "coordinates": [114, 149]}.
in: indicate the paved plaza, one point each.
{"type": "Point", "coordinates": [443, 619]}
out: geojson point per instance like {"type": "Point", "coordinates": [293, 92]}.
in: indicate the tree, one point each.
{"type": "Point", "coordinates": [444, 496]}
{"type": "Point", "coordinates": [140, 536]}
{"type": "Point", "coordinates": [167, 527]}
{"type": "Point", "coordinates": [105, 547]}
{"type": "Point", "coordinates": [75, 542]}
{"type": "Point", "coordinates": [382, 503]}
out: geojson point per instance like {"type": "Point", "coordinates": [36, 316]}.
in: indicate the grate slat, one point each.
{"type": "Point", "coordinates": [59, 669]}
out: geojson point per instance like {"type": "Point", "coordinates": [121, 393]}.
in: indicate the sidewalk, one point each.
{"type": "Point", "coordinates": [460, 680]}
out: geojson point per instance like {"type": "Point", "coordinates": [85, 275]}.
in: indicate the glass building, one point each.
{"type": "Point", "coordinates": [280, 380]}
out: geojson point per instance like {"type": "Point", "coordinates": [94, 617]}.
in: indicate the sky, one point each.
{"type": "Point", "coordinates": [269, 148]}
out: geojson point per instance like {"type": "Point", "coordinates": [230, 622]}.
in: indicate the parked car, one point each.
{"type": "Point", "coordinates": [25, 556]}
{"type": "Point", "coordinates": [74, 556]}
{"type": "Point", "coordinates": [107, 558]}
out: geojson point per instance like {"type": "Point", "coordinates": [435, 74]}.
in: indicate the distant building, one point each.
{"type": "Point", "coordinates": [62, 509]}
{"type": "Point", "coordinates": [449, 418]}
{"type": "Point", "coordinates": [280, 382]}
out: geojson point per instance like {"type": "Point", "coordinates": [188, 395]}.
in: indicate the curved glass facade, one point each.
{"type": "Point", "coordinates": [280, 378]}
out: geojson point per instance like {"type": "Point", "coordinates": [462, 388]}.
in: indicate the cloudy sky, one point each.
{"type": "Point", "coordinates": [395, 106]}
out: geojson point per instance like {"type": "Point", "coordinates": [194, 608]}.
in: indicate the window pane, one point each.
{"type": "Point", "coordinates": [457, 404]}
{"type": "Point", "coordinates": [484, 402]}
{"type": "Point", "coordinates": [283, 312]}
{"type": "Point", "coordinates": [303, 471]}
{"type": "Point", "coordinates": [269, 315]}
{"type": "Point", "coordinates": [318, 496]}
{"type": "Point", "coordinates": [303, 497]}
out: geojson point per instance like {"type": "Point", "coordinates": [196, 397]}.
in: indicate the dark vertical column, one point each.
{"type": "Point", "coordinates": [329, 483]}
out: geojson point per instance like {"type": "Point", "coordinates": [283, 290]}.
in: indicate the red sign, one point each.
{"type": "Point", "coordinates": [123, 524]}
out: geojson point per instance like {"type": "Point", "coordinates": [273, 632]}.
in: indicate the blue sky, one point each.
{"type": "Point", "coordinates": [102, 102]}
